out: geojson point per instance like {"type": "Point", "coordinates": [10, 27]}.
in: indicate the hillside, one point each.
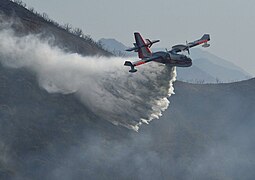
{"type": "Point", "coordinates": [25, 21]}
{"type": "Point", "coordinates": [206, 133]}
{"type": "Point", "coordinates": [211, 128]}
{"type": "Point", "coordinates": [54, 136]}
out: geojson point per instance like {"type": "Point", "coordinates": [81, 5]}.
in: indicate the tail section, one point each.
{"type": "Point", "coordinates": [206, 37]}
{"type": "Point", "coordinates": [203, 40]}
{"type": "Point", "coordinates": [143, 51]}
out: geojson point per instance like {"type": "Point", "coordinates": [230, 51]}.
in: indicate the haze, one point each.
{"type": "Point", "coordinates": [230, 23]}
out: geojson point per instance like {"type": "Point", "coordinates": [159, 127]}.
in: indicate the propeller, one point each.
{"type": "Point", "coordinates": [187, 47]}
{"type": "Point", "coordinates": [149, 43]}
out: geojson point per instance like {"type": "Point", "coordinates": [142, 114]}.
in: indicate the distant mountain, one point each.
{"type": "Point", "coordinates": [115, 46]}
{"type": "Point", "coordinates": [112, 44]}
{"type": "Point", "coordinates": [206, 68]}
{"type": "Point", "coordinates": [218, 67]}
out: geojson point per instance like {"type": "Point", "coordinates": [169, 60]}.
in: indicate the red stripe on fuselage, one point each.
{"type": "Point", "coordinates": [139, 63]}
{"type": "Point", "coordinates": [204, 41]}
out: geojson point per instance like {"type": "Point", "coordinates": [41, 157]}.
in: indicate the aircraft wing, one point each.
{"type": "Point", "coordinates": [181, 47]}
{"type": "Point", "coordinates": [142, 46]}
{"type": "Point", "coordinates": [140, 62]}
{"type": "Point", "coordinates": [137, 63]}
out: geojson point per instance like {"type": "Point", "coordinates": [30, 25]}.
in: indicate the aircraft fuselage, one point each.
{"type": "Point", "coordinates": [173, 59]}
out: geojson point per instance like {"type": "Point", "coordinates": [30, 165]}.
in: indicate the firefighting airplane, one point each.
{"type": "Point", "coordinates": [172, 57]}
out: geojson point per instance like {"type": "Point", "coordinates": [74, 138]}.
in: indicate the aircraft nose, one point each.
{"type": "Point", "coordinates": [188, 60]}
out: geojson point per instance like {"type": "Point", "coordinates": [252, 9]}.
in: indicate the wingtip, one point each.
{"type": "Point", "coordinates": [128, 63]}
{"type": "Point", "coordinates": [132, 70]}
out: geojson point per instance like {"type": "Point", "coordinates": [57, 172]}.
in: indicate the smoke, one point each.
{"type": "Point", "coordinates": [102, 84]}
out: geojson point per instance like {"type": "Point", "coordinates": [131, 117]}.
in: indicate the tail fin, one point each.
{"type": "Point", "coordinates": [144, 51]}
{"type": "Point", "coordinates": [206, 37]}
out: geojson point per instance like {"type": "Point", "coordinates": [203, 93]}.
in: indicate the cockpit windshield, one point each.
{"type": "Point", "coordinates": [183, 57]}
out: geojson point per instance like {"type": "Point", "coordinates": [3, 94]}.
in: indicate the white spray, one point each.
{"type": "Point", "coordinates": [102, 84]}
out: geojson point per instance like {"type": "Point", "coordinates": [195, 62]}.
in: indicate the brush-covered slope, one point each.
{"type": "Point", "coordinates": [26, 21]}
{"type": "Point", "coordinates": [36, 127]}
{"type": "Point", "coordinates": [209, 130]}
{"type": "Point", "coordinates": [206, 133]}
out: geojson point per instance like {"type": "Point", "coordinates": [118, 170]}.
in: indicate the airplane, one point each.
{"type": "Point", "coordinates": [172, 57]}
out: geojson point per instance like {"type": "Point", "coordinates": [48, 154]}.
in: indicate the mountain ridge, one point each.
{"type": "Point", "coordinates": [25, 21]}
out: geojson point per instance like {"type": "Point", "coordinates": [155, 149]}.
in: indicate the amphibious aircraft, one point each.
{"type": "Point", "coordinates": [174, 57]}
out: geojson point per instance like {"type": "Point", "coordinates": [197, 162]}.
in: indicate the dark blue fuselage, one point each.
{"type": "Point", "coordinates": [172, 59]}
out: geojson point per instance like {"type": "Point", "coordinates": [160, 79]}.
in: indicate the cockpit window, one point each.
{"type": "Point", "coordinates": [182, 57]}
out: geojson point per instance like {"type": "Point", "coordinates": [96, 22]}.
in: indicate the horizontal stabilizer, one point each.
{"type": "Point", "coordinates": [205, 45]}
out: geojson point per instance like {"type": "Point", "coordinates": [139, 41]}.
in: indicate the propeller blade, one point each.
{"type": "Point", "coordinates": [187, 47]}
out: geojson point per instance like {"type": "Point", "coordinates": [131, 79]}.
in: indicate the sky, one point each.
{"type": "Point", "coordinates": [231, 23]}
